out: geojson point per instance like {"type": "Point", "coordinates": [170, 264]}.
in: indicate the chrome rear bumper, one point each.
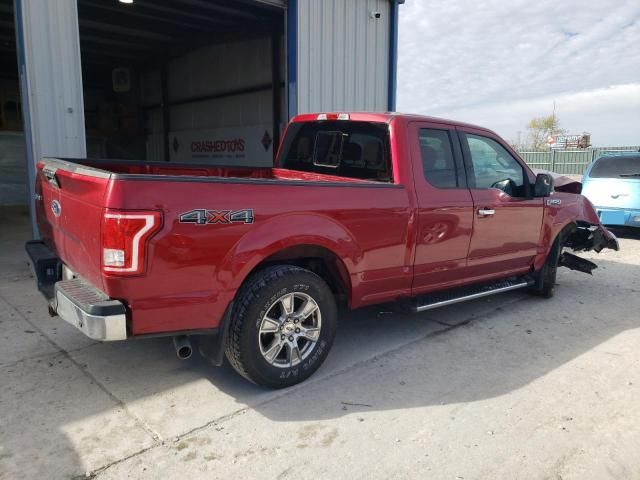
{"type": "Point", "coordinates": [89, 310]}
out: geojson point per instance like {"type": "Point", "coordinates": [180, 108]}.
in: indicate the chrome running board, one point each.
{"type": "Point", "coordinates": [441, 299]}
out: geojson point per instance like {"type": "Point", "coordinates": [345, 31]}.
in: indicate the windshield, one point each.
{"type": "Point", "coordinates": [616, 167]}
{"type": "Point", "coordinates": [344, 148]}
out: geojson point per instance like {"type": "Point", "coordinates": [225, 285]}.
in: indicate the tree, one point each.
{"type": "Point", "coordinates": [540, 129]}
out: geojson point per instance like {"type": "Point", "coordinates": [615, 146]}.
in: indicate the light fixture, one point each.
{"type": "Point", "coordinates": [126, 1]}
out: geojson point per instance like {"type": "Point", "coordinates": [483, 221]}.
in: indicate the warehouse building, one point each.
{"type": "Point", "coordinates": [210, 81]}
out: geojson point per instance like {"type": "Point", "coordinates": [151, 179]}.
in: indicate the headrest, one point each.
{"type": "Point", "coordinates": [372, 154]}
{"type": "Point", "coordinates": [429, 156]}
{"type": "Point", "coordinates": [303, 153]}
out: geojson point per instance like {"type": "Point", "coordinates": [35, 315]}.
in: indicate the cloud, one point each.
{"type": "Point", "coordinates": [611, 115]}
{"type": "Point", "coordinates": [472, 59]}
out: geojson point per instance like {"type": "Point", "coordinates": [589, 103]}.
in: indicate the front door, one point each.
{"type": "Point", "coordinates": [507, 221]}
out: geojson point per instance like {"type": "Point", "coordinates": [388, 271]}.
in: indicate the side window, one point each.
{"type": "Point", "coordinates": [438, 162]}
{"type": "Point", "coordinates": [494, 167]}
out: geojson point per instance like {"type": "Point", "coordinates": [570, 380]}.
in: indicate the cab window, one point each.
{"type": "Point", "coordinates": [492, 166]}
{"type": "Point", "coordinates": [344, 148]}
{"type": "Point", "coordinates": [438, 162]}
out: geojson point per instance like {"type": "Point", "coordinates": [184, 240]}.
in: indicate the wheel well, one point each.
{"type": "Point", "coordinates": [321, 261]}
{"type": "Point", "coordinates": [567, 231]}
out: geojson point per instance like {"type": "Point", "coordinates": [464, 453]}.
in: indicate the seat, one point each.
{"type": "Point", "coordinates": [374, 161]}
{"type": "Point", "coordinates": [351, 164]}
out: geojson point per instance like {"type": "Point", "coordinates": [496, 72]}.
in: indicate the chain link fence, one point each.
{"type": "Point", "coordinates": [568, 162]}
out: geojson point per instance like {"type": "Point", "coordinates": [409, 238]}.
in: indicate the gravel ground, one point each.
{"type": "Point", "coordinates": [511, 386]}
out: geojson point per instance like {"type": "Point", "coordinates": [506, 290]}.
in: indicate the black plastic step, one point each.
{"type": "Point", "coordinates": [88, 298]}
{"type": "Point", "coordinates": [462, 294]}
{"type": "Point", "coordinates": [45, 264]}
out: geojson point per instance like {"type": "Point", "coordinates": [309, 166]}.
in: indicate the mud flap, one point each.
{"type": "Point", "coordinates": [573, 262]}
{"type": "Point", "coordinates": [211, 347]}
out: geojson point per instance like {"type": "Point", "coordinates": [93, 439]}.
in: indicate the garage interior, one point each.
{"type": "Point", "coordinates": [188, 80]}
{"type": "Point", "coordinates": [13, 188]}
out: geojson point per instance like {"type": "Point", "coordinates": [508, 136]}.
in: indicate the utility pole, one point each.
{"type": "Point", "coordinates": [553, 119]}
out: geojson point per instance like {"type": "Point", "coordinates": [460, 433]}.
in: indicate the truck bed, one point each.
{"type": "Point", "coordinates": [192, 268]}
{"type": "Point", "coordinates": [123, 167]}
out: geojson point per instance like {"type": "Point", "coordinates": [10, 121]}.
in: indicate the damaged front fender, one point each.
{"type": "Point", "coordinates": [587, 232]}
{"type": "Point", "coordinates": [583, 238]}
{"type": "Point", "coordinates": [582, 230]}
{"type": "Point", "coordinates": [587, 237]}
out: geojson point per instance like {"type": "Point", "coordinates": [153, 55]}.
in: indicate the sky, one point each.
{"type": "Point", "coordinates": [499, 63]}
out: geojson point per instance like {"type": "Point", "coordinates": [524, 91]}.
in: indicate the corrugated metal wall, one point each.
{"type": "Point", "coordinates": [50, 81]}
{"type": "Point", "coordinates": [343, 55]}
{"type": "Point", "coordinates": [53, 77]}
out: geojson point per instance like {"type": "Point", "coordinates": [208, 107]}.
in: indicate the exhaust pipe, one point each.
{"type": "Point", "coordinates": [183, 347]}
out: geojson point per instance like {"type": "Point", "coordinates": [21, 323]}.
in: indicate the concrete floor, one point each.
{"type": "Point", "coordinates": [508, 387]}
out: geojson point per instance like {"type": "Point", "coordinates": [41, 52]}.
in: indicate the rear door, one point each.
{"type": "Point", "coordinates": [507, 221]}
{"type": "Point", "coordinates": [445, 207]}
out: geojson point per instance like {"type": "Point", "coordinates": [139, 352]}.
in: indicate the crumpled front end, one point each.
{"type": "Point", "coordinates": [583, 233]}
{"type": "Point", "coordinates": [587, 236]}
{"type": "Point", "coordinates": [590, 233]}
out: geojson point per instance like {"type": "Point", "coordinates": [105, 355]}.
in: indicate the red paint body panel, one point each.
{"type": "Point", "coordinates": [392, 240]}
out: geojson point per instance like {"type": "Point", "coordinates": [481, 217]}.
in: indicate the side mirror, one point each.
{"type": "Point", "coordinates": [543, 186]}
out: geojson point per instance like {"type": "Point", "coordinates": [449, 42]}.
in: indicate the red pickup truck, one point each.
{"type": "Point", "coordinates": [360, 209]}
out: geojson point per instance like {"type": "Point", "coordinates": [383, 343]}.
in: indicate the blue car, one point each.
{"type": "Point", "coordinates": [612, 183]}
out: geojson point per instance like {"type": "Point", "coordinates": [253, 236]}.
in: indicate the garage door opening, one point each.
{"type": "Point", "coordinates": [189, 81]}
{"type": "Point", "coordinates": [13, 169]}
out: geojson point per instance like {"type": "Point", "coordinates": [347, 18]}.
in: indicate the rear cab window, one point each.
{"type": "Point", "coordinates": [344, 148]}
{"type": "Point", "coordinates": [627, 166]}
{"type": "Point", "coordinates": [438, 161]}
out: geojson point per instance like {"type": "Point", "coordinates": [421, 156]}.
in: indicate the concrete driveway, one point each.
{"type": "Point", "coordinates": [508, 387]}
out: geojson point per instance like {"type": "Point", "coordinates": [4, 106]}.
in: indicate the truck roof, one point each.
{"type": "Point", "coordinates": [385, 117]}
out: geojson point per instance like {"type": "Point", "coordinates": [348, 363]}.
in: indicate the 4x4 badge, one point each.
{"type": "Point", "coordinates": [202, 216]}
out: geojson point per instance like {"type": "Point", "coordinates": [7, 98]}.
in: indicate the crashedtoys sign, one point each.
{"type": "Point", "coordinates": [246, 146]}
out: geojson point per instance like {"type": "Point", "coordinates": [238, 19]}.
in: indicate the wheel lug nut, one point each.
{"type": "Point", "coordinates": [297, 330]}
{"type": "Point", "coordinates": [281, 337]}
{"type": "Point", "coordinates": [291, 338]}
{"type": "Point", "coordinates": [296, 321]}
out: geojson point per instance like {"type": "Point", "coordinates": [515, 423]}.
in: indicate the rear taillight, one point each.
{"type": "Point", "coordinates": [124, 240]}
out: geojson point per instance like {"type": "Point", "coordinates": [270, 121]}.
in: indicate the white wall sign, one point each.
{"type": "Point", "coordinates": [247, 146]}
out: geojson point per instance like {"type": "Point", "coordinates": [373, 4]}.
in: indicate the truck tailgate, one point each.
{"type": "Point", "coordinates": [72, 204]}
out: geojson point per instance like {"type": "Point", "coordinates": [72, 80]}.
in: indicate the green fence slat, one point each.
{"type": "Point", "coordinates": [570, 162]}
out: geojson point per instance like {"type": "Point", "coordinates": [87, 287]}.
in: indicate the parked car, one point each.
{"type": "Point", "coordinates": [612, 183]}
{"type": "Point", "coordinates": [360, 209]}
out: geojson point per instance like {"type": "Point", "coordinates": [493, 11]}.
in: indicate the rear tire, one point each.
{"type": "Point", "coordinates": [283, 326]}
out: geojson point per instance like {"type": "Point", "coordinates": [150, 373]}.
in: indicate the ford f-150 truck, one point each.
{"type": "Point", "coordinates": [359, 209]}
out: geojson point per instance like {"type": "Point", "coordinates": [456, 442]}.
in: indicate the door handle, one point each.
{"type": "Point", "coordinates": [486, 212]}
